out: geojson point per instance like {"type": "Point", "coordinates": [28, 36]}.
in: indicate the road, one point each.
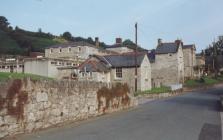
{"type": "Point", "coordinates": [192, 116]}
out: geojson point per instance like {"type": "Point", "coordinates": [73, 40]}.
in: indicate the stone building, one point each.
{"type": "Point", "coordinates": [119, 47]}
{"type": "Point", "coordinates": [168, 66]}
{"type": "Point", "coordinates": [49, 67]}
{"type": "Point", "coordinates": [120, 69]}
{"type": "Point", "coordinates": [189, 53]}
{"type": "Point", "coordinates": [77, 51]}
{"type": "Point", "coordinates": [12, 65]}
{"type": "Point", "coordinates": [94, 69]}
{"type": "Point", "coordinates": [200, 66]}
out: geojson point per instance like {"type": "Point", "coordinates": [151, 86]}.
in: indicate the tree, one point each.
{"type": "Point", "coordinates": [90, 40]}
{"type": "Point", "coordinates": [67, 36]}
{"type": "Point", "coordinates": [4, 22]}
{"type": "Point", "coordinates": [128, 42]}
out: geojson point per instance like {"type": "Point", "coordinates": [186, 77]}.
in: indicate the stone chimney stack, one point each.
{"type": "Point", "coordinates": [97, 43]}
{"type": "Point", "coordinates": [159, 41]}
{"type": "Point", "coordinates": [118, 40]}
{"type": "Point", "coordinates": [178, 42]}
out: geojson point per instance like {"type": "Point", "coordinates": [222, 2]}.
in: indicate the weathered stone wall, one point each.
{"type": "Point", "coordinates": [26, 105]}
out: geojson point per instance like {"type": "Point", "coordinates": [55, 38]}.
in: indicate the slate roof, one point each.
{"type": "Point", "coordinates": [188, 46]}
{"type": "Point", "coordinates": [93, 66]}
{"type": "Point", "coordinates": [72, 44]}
{"type": "Point", "coordinates": [165, 48]}
{"type": "Point", "coordinates": [152, 56]}
{"type": "Point", "coordinates": [124, 61]}
{"type": "Point", "coordinates": [104, 63]}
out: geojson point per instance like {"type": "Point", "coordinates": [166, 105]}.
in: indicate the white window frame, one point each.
{"type": "Point", "coordinates": [118, 73]}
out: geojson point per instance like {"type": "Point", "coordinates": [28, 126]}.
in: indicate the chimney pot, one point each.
{"type": "Point", "coordinates": [178, 42]}
{"type": "Point", "coordinates": [97, 43]}
{"type": "Point", "coordinates": [118, 40]}
{"type": "Point", "coordinates": [159, 41]}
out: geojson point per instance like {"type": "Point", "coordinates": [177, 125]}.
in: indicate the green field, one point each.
{"type": "Point", "coordinates": [4, 76]}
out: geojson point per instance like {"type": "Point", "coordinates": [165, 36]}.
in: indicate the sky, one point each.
{"type": "Point", "coordinates": [194, 21]}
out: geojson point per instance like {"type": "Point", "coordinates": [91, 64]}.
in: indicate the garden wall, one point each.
{"type": "Point", "coordinates": [26, 105]}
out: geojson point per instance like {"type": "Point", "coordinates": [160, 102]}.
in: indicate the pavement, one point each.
{"type": "Point", "coordinates": [192, 116]}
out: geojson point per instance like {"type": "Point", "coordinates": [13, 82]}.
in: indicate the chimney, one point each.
{"type": "Point", "coordinates": [178, 42]}
{"type": "Point", "coordinates": [97, 43]}
{"type": "Point", "coordinates": [159, 41]}
{"type": "Point", "coordinates": [118, 40]}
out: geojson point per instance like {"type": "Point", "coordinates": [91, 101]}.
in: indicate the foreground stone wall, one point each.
{"type": "Point", "coordinates": [26, 105]}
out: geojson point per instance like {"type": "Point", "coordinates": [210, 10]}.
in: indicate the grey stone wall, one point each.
{"type": "Point", "coordinates": [27, 106]}
{"type": "Point", "coordinates": [189, 62]}
{"type": "Point", "coordinates": [168, 69]}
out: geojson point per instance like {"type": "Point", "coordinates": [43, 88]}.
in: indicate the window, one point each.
{"type": "Point", "coordinates": [69, 49]}
{"type": "Point", "coordinates": [53, 63]}
{"type": "Point", "coordinates": [79, 49]}
{"type": "Point", "coordinates": [69, 64]}
{"type": "Point", "coordinates": [60, 50]}
{"type": "Point", "coordinates": [51, 50]}
{"type": "Point", "coordinates": [3, 67]}
{"type": "Point", "coordinates": [118, 72]}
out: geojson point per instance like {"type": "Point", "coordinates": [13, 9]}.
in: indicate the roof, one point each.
{"type": "Point", "coordinates": [93, 66]}
{"type": "Point", "coordinates": [72, 44]}
{"type": "Point", "coordinates": [165, 48]}
{"type": "Point", "coordinates": [67, 67]}
{"type": "Point", "coordinates": [47, 59]}
{"type": "Point", "coordinates": [125, 60]}
{"type": "Point", "coordinates": [115, 46]}
{"type": "Point", "coordinates": [188, 46]}
{"type": "Point", "coordinates": [151, 55]}
{"type": "Point", "coordinates": [104, 63]}
{"type": "Point", "coordinates": [132, 47]}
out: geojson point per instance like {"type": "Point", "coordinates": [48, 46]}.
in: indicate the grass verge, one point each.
{"type": "Point", "coordinates": [207, 80]}
{"type": "Point", "coordinates": [4, 76]}
{"type": "Point", "coordinates": [154, 91]}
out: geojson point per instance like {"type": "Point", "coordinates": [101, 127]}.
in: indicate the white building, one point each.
{"type": "Point", "coordinates": [12, 65]}
{"type": "Point", "coordinates": [78, 51]}
{"type": "Point", "coordinates": [48, 67]}
{"type": "Point", "coordinates": [118, 47]}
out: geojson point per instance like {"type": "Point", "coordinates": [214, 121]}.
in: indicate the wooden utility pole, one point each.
{"type": "Point", "coordinates": [136, 43]}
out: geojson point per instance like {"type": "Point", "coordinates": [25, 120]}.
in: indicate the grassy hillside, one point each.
{"type": "Point", "coordinates": [8, 45]}
{"type": "Point", "coordinates": [22, 42]}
